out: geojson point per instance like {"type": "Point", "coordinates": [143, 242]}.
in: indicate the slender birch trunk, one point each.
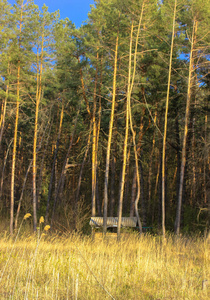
{"type": "Point", "coordinates": [126, 139]}
{"type": "Point", "coordinates": [14, 153]}
{"type": "Point", "coordinates": [38, 98]}
{"type": "Point", "coordinates": [187, 113]}
{"type": "Point", "coordinates": [166, 123]}
{"type": "Point", "coordinates": [97, 138]}
{"type": "Point", "coordinates": [113, 165]}
{"type": "Point", "coordinates": [129, 118]}
{"type": "Point", "coordinates": [110, 139]}
{"type": "Point", "coordinates": [94, 141]}
{"type": "Point", "coordinates": [131, 125]}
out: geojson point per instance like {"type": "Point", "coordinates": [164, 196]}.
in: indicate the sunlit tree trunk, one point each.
{"type": "Point", "coordinates": [110, 139]}
{"type": "Point", "coordinates": [98, 134]}
{"type": "Point", "coordinates": [38, 98]}
{"type": "Point", "coordinates": [129, 116]}
{"type": "Point", "coordinates": [113, 166]}
{"type": "Point", "coordinates": [15, 131]}
{"type": "Point", "coordinates": [138, 194]}
{"type": "Point", "coordinates": [126, 139]}
{"type": "Point", "coordinates": [14, 152]}
{"type": "Point", "coordinates": [94, 142]}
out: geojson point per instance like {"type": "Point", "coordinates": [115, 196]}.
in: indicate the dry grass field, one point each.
{"type": "Point", "coordinates": [76, 267]}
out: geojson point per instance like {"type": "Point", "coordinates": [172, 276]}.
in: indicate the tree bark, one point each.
{"type": "Point", "coordinates": [4, 106]}
{"type": "Point", "coordinates": [82, 168]}
{"type": "Point", "coordinates": [15, 131]}
{"type": "Point", "coordinates": [166, 122]}
{"type": "Point", "coordinates": [133, 194]}
{"type": "Point", "coordinates": [187, 113]}
{"type": "Point", "coordinates": [53, 166]}
{"type": "Point", "coordinates": [38, 98]}
{"type": "Point", "coordinates": [94, 141]}
{"type": "Point", "coordinates": [126, 138]}
{"type": "Point", "coordinates": [112, 188]}
{"type": "Point", "coordinates": [63, 172]}
{"type": "Point", "coordinates": [110, 139]}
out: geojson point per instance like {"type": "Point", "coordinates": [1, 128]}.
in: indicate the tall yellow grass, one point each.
{"type": "Point", "coordinates": [76, 267]}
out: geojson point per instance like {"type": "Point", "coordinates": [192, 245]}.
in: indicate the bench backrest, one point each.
{"type": "Point", "coordinates": [112, 221]}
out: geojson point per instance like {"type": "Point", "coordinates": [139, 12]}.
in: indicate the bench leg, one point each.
{"type": "Point", "coordinates": [93, 233]}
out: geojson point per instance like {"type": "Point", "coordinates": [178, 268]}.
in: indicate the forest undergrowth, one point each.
{"type": "Point", "coordinates": [74, 266]}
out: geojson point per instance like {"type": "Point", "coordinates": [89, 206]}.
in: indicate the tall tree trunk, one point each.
{"type": "Point", "coordinates": [178, 156]}
{"type": "Point", "coordinates": [113, 166]}
{"type": "Point", "coordinates": [131, 124]}
{"type": "Point", "coordinates": [130, 87]}
{"type": "Point", "coordinates": [112, 187]}
{"type": "Point", "coordinates": [143, 201]}
{"type": "Point", "coordinates": [166, 122]}
{"type": "Point", "coordinates": [97, 136]}
{"type": "Point", "coordinates": [206, 158]}
{"type": "Point", "coordinates": [110, 139]}
{"type": "Point", "coordinates": [133, 193]}
{"type": "Point", "coordinates": [14, 153]}
{"type": "Point", "coordinates": [16, 130]}
{"type": "Point", "coordinates": [150, 168]}
{"type": "Point", "coordinates": [63, 172]}
{"type": "Point", "coordinates": [53, 166]}
{"type": "Point", "coordinates": [126, 138]}
{"type": "Point", "coordinates": [3, 169]}
{"type": "Point", "coordinates": [80, 179]}
{"type": "Point", "coordinates": [94, 141]}
{"type": "Point", "coordinates": [159, 221]}
{"type": "Point", "coordinates": [39, 185]}
{"type": "Point", "coordinates": [126, 201]}
{"type": "Point", "coordinates": [187, 113]}
{"type": "Point", "coordinates": [21, 196]}
{"type": "Point", "coordinates": [4, 106]}
{"type": "Point", "coordinates": [83, 90]}
{"type": "Point", "coordinates": [82, 168]}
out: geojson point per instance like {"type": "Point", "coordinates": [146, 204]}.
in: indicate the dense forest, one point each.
{"type": "Point", "coordinates": [111, 119]}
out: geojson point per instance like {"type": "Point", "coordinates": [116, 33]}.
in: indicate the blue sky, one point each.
{"type": "Point", "coordinates": [75, 10]}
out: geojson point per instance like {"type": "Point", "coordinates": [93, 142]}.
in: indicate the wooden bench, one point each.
{"type": "Point", "coordinates": [97, 222]}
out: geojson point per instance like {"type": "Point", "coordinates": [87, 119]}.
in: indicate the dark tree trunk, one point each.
{"type": "Point", "coordinates": [133, 194]}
